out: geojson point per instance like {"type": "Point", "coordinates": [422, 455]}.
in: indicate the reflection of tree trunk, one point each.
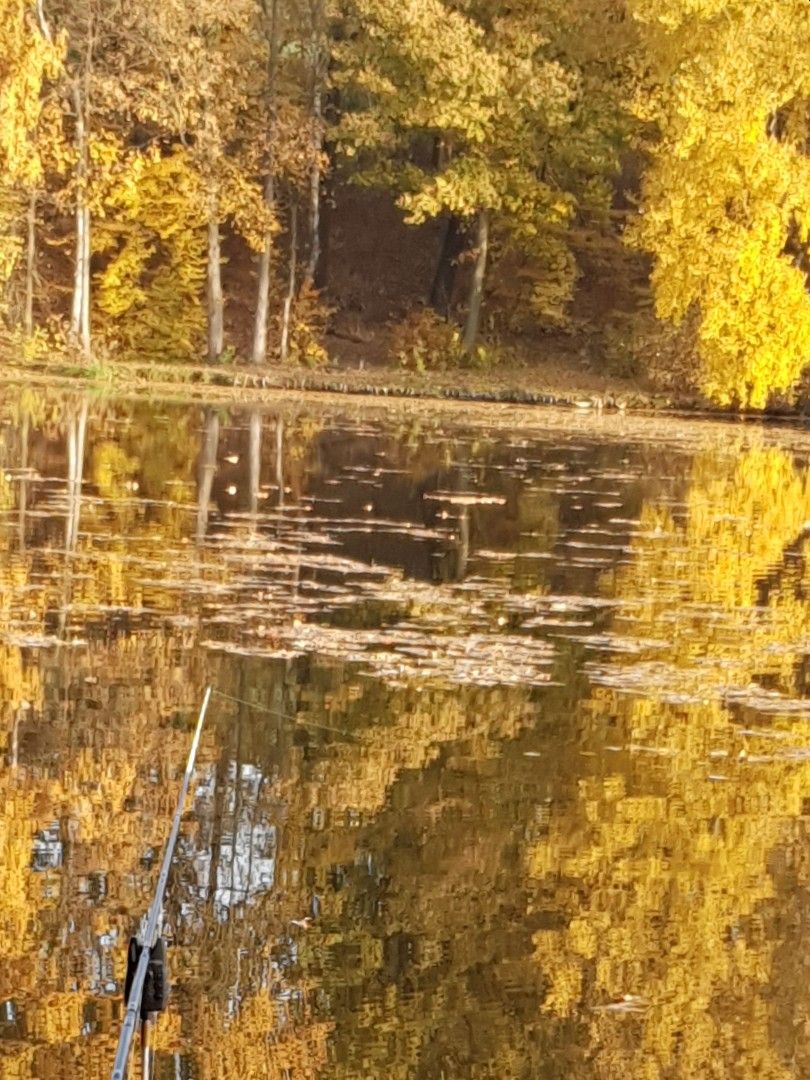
{"type": "Point", "coordinates": [238, 807]}
{"type": "Point", "coordinates": [463, 543]}
{"type": "Point", "coordinates": [30, 263]}
{"type": "Point", "coordinates": [77, 427]}
{"type": "Point", "coordinates": [255, 459]}
{"type": "Point", "coordinates": [477, 287]}
{"type": "Point", "coordinates": [792, 555]}
{"type": "Point", "coordinates": [146, 1050]}
{"type": "Point", "coordinates": [14, 742]}
{"type": "Point", "coordinates": [280, 459]}
{"type": "Point", "coordinates": [207, 468]}
{"type": "Point", "coordinates": [22, 505]}
{"type": "Point", "coordinates": [220, 824]}
{"type": "Point", "coordinates": [453, 239]}
{"type": "Point", "coordinates": [216, 304]}
{"type": "Point", "coordinates": [286, 316]}
{"type": "Point", "coordinates": [75, 448]}
{"type": "Point", "coordinates": [44, 28]}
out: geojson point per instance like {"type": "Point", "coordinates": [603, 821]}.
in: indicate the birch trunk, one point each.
{"type": "Point", "coordinates": [30, 264]}
{"type": "Point", "coordinates": [215, 303]}
{"type": "Point", "coordinates": [286, 316]}
{"type": "Point", "coordinates": [85, 320]}
{"type": "Point", "coordinates": [263, 297]}
{"type": "Point", "coordinates": [477, 286]}
{"type": "Point", "coordinates": [77, 317]}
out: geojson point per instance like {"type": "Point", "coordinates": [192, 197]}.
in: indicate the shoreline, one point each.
{"type": "Point", "coordinates": [556, 385]}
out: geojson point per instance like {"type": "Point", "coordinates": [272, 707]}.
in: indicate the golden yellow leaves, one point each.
{"type": "Point", "coordinates": [516, 108]}
{"type": "Point", "coordinates": [29, 59]}
{"type": "Point", "coordinates": [150, 290]}
{"type": "Point", "coordinates": [724, 199]}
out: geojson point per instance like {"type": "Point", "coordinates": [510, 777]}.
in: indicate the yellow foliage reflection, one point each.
{"type": "Point", "coordinates": [694, 765]}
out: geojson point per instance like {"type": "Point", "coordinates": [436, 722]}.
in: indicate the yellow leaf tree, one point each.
{"type": "Point", "coordinates": [30, 58]}
{"type": "Point", "coordinates": [725, 196]}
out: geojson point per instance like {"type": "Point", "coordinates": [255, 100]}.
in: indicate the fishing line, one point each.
{"type": "Point", "coordinates": [285, 716]}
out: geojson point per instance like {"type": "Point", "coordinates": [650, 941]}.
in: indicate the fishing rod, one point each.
{"type": "Point", "coordinates": [146, 984]}
{"type": "Point", "coordinates": [145, 967]}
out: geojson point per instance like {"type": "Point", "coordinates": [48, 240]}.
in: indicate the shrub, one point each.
{"type": "Point", "coordinates": [425, 342]}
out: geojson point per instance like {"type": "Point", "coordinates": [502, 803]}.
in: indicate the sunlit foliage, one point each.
{"type": "Point", "coordinates": [725, 196]}
{"type": "Point", "coordinates": [151, 237]}
{"type": "Point", "coordinates": [142, 143]}
{"type": "Point", "coordinates": [27, 61]}
{"type": "Point", "coordinates": [470, 110]}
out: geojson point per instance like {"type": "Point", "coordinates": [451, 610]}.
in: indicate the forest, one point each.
{"type": "Point", "coordinates": [440, 182]}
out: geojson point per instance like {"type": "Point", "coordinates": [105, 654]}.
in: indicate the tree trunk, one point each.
{"type": "Point", "coordinates": [30, 264]}
{"type": "Point", "coordinates": [77, 316]}
{"type": "Point", "coordinates": [477, 286]}
{"type": "Point", "coordinates": [263, 297]}
{"type": "Point", "coordinates": [216, 307]}
{"type": "Point", "coordinates": [453, 240]}
{"type": "Point", "coordinates": [85, 326]}
{"type": "Point", "coordinates": [326, 189]}
{"type": "Point", "coordinates": [286, 317]}
{"type": "Point", "coordinates": [318, 58]}
{"type": "Point", "coordinates": [327, 202]}
{"type": "Point", "coordinates": [315, 189]}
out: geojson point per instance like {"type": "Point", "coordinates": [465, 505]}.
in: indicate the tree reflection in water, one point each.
{"type": "Point", "coordinates": [511, 779]}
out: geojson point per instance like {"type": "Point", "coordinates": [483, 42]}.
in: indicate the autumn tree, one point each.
{"type": "Point", "coordinates": [290, 126]}
{"type": "Point", "coordinates": [31, 59]}
{"type": "Point", "coordinates": [724, 199]}
{"type": "Point", "coordinates": [83, 26]}
{"type": "Point", "coordinates": [464, 111]}
{"type": "Point", "coordinates": [194, 86]}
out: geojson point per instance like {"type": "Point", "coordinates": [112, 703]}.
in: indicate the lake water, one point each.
{"type": "Point", "coordinates": [507, 771]}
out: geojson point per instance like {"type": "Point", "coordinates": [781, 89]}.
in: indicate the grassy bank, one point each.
{"type": "Point", "coordinates": [559, 381]}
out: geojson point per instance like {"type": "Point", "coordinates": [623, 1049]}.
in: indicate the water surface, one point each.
{"type": "Point", "coordinates": [507, 774]}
